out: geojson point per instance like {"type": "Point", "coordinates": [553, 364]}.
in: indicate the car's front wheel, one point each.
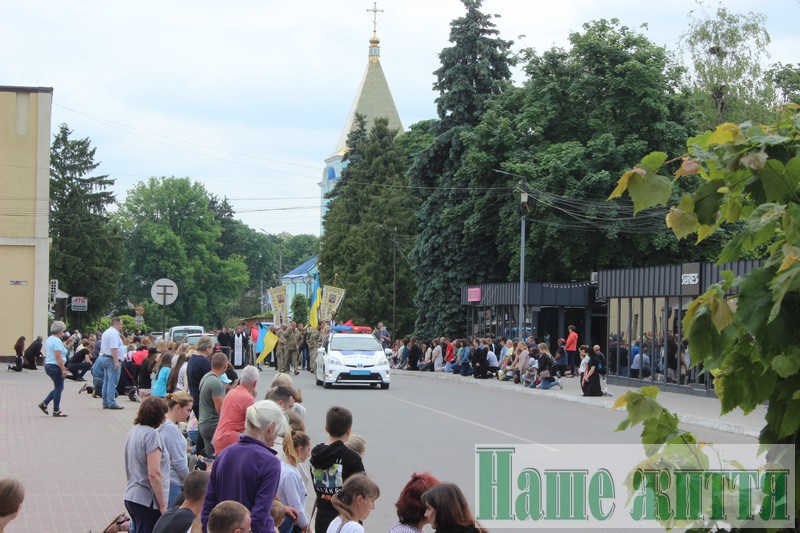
{"type": "Point", "coordinates": [327, 385]}
{"type": "Point", "coordinates": [385, 386]}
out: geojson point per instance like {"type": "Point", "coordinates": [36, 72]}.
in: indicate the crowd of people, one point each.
{"type": "Point", "coordinates": [205, 454]}
{"type": "Point", "coordinates": [529, 362]}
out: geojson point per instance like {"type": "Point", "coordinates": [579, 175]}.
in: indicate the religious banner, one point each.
{"type": "Point", "coordinates": [331, 300]}
{"type": "Point", "coordinates": [280, 304]}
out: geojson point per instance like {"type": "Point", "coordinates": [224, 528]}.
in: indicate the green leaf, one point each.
{"type": "Point", "coordinates": [727, 277]}
{"type": "Point", "coordinates": [768, 139]}
{"type": "Point", "coordinates": [653, 162]}
{"type": "Point", "coordinates": [649, 191]}
{"type": "Point", "coordinates": [682, 219]}
{"type": "Point", "coordinates": [753, 310]}
{"type": "Point", "coordinates": [785, 366]}
{"type": "Point", "coordinates": [641, 406]}
{"type": "Point", "coordinates": [742, 381]}
{"type": "Point", "coordinates": [705, 340]}
{"type": "Point", "coordinates": [707, 201]}
{"type": "Point", "coordinates": [777, 183]}
{"type": "Point", "coordinates": [787, 280]}
{"type": "Point", "coordinates": [791, 224]}
{"type": "Point", "coordinates": [660, 429]}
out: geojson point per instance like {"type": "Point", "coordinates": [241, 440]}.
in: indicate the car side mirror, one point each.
{"type": "Point", "coordinates": [321, 351]}
{"type": "Point", "coordinates": [387, 351]}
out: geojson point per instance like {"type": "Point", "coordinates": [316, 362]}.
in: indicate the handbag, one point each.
{"type": "Point", "coordinates": [544, 374]}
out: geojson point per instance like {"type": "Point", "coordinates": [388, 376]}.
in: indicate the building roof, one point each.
{"type": "Point", "coordinates": [302, 271]}
{"type": "Point", "coordinates": [373, 99]}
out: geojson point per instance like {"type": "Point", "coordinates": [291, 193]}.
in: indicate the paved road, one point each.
{"type": "Point", "coordinates": [74, 474]}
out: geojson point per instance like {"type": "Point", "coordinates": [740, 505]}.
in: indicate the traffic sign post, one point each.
{"type": "Point", "coordinates": [79, 304]}
{"type": "Point", "coordinates": [164, 291]}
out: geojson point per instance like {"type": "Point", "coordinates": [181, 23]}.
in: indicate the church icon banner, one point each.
{"type": "Point", "coordinates": [280, 304]}
{"type": "Point", "coordinates": [331, 300]}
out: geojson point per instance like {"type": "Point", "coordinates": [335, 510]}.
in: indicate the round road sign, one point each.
{"type": "Point", "coordinates": [164, 291]}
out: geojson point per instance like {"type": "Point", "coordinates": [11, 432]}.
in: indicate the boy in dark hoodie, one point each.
{"type": "Point", "coordinates": [332, 463]}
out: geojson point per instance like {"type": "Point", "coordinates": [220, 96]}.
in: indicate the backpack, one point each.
{"type": "Point", "coordinates": [601, 363]}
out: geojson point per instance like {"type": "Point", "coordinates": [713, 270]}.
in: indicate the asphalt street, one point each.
{"type": "Point", "coordinates": [73, 468]}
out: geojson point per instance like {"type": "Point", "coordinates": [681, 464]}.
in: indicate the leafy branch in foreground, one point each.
{"type": "Point", "coordinates": [743, 330]}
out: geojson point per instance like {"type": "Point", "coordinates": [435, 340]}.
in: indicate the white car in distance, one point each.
{"type": "Point", "coordinates": [350, 355]}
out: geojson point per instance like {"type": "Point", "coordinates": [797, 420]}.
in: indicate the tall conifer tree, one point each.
{"type": "Point", "coordinates": [445, 258]}
{"type": "Point", "coordinates": [86, 251]}
{"type": "Point", "coordinates": [370, 208]}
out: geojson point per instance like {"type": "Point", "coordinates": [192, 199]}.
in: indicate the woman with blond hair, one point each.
{"type": "Point", "coordinates": [180, 407]}
{"type": "Point", "coordinates": [354, 503]}
{"type": "Point", "coordinates": [547, 370]}
{"type": "Point", "coordinates": [292, 490]}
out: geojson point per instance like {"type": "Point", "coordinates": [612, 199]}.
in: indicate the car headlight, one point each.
{"type": "Point", "coordinates": [382, 361]}
{"type": "Point", "coordinates": [335, 360]}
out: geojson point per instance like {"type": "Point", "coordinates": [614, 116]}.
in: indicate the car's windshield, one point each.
{"type": "Point", "coordinates": [345, 342]}
{"type": "Point", "coordinates": [179, 334]}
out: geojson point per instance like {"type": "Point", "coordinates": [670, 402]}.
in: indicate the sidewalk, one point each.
{"type": "Point", "coordinates": [693, 410]}
{"type": "Point", "coordinates": [73, 468]}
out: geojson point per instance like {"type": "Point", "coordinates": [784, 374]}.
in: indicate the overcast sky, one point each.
{"type": "Point", "coordinates": [249, 97]}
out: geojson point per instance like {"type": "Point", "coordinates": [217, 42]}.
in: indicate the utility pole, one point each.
{"type": "Point", "coordinates": [394, 281]}
{"type": "Point", "coordinates": [280, 265]}
{"type": "Point", "coordinates": [261, 297]}
{"type": "Point", "coordinates": [523, 211]}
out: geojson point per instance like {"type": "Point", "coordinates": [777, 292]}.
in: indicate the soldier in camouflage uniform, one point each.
{"type": "Point", "coordinates": [292, 348]}
{"type": "Point", "coordinates": [315, 339]}
{"type": "Point", "coordinates": [280, 350]}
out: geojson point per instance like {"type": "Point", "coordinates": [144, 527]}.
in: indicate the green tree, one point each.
{"type": "Point", "coordinates": [580, 118]}
{"type": "Point", "coordinates": [786, 82]}
{"type": "Point", "coordinates": [472, 70]}
{"type": "Point", "coordinates": [86, 250]}
{"type": "Point", "coordinates": [749, 175]}
{"type": "Point", "coordinates": [727, 76]}
{"type": "Point", "coordinates": [371, 209]}
{"type": "Point", "coordinates": [300, 305]}
{"type": "Point", "coordinates": [170, 231]}
{"type": "Point", "coordinates": [297, 249]}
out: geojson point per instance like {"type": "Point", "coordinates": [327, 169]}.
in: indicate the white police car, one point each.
{"type": "Point", "coordinates": [350, 355]}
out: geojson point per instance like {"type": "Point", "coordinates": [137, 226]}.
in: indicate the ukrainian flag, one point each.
{"type": "Point", "coordinates": [270, 341]}
{"type": "Point", "coordinates": [316, 298]}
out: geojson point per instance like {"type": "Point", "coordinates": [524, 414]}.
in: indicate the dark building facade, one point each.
{"type": "Point", "coordinates": [548, 308]}
{"type": "Point", "coordinates": [645, 312]}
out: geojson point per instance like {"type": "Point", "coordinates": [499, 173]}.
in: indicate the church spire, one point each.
{"type": "Point", "coordinates": [374, 42]}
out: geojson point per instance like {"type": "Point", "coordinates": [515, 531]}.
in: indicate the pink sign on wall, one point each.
{"type": "Point", "coordinates": [473, 294]}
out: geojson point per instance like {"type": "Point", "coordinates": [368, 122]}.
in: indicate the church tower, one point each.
{"type": "Point", "coordinates": [373, 100]}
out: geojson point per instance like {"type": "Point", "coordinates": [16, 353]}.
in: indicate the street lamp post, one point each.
{"type": "Point", "coordinates": [523, 213]}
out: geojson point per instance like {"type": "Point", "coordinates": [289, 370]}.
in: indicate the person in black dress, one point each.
{"type": "Point", "coordinates": [591, 377]}
{"type": "Point", "coordinates": [414, 354]}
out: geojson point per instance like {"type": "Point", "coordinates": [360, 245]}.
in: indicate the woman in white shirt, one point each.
{"type": "Point", "coordinates": [354, 503]}
{"type": "Point", "coordinates": [291, 487]}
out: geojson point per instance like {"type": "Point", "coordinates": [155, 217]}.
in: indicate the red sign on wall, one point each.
{"type": "Point", "coordinates": [473, 294]}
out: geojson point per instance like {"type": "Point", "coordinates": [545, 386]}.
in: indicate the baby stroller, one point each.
{"type": "Point", "coordinates": [128, 381]}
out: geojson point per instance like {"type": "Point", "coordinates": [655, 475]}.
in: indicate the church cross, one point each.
{"type": "Point", "coordinates": [374, 12]}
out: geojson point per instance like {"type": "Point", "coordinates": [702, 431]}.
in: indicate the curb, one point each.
{"type": "Point", "coordinates": [602, 402]}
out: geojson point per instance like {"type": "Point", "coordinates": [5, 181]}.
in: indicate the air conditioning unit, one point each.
{"type": "Point", "coordinates": [594, 278]}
